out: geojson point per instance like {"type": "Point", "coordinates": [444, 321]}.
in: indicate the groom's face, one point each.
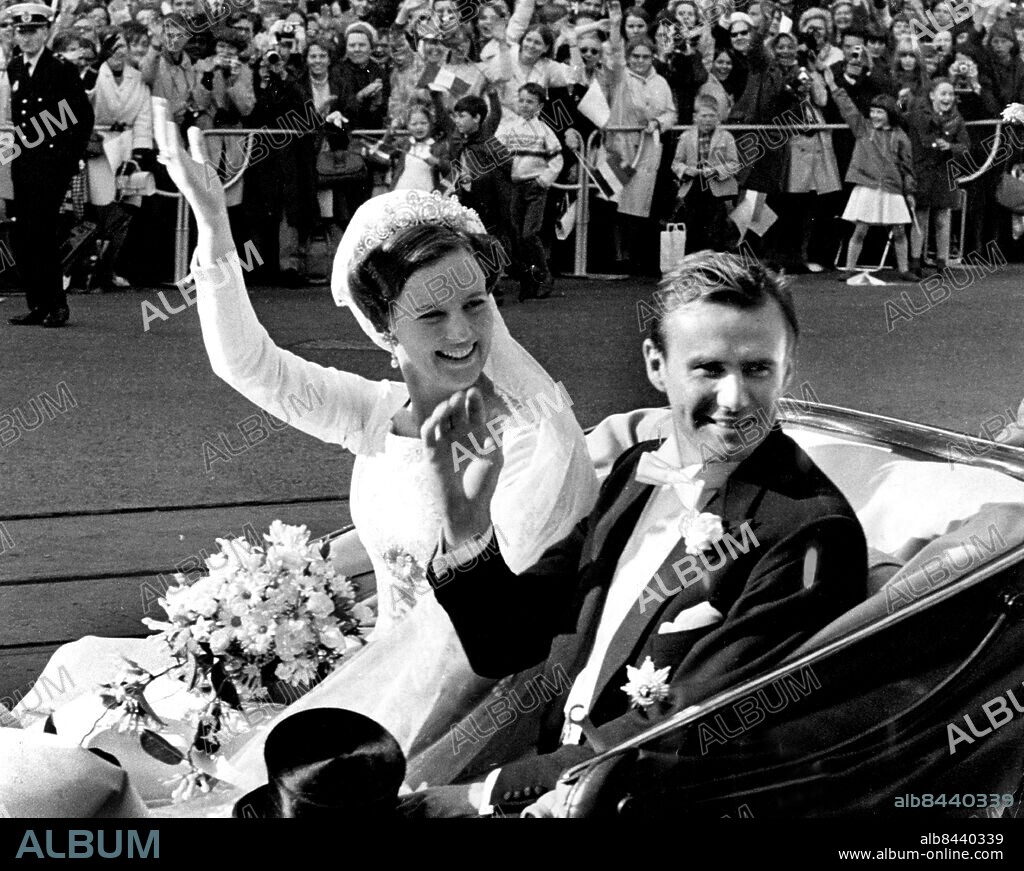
{"type": "Point", "coordinates": [721, 366]}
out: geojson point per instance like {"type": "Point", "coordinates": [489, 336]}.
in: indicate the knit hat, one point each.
{"type": "Point", "coordinates": [1003, 30]}
{"type": "Point", "coordinates": [362, 27]}
{"type": "Point", "coordinates": [811, 14]}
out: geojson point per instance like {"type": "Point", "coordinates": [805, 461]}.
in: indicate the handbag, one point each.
{"type": "Point", "coordinates": [673, 246]}
{"type": "Point", "coordinates": [133, 182]}
{"type": "Point", "coordinates": [94, 148]}
{"type": "Point", "coordinates": [334, 166]}
{"type": "Point", "coordinates": [1010, 193]}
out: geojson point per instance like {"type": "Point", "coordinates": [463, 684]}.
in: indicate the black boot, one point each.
{"type": "Point", "coordinates": [57, 318]}
{"type": "Point", "coordinates": [34, 318]}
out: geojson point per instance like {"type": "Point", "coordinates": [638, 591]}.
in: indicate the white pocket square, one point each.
{"type": "Point", "coordinates": [697, 617]}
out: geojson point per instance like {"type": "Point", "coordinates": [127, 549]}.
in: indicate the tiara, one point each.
{"type": "Point", "coordinates": [418, 208]}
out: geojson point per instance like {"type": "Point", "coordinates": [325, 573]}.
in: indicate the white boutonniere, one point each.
{"type": "Point", "coordinates": [701, 531]}
{"type": "Point", "coordinates": [646, 684]}
{"type": "Point", "coordinates": [1014, 113]}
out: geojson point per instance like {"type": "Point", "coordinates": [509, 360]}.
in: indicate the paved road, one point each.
{"type": "Point", "coordinates": [105, 415]}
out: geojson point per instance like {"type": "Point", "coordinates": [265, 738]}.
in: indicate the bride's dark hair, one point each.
{"type": "Point", "coordinates": [377, 280]}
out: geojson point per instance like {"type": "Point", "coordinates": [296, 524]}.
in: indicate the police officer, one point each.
{"type": "Point", "coordinates": [54, 118]}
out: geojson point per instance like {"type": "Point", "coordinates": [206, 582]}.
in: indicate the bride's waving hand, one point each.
{"type": "Point", "coordinates": [195, 178]}
{"type": "Point", "coordinates": [328, 404]}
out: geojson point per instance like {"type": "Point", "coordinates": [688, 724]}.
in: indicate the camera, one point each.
{"type": "Point", "coordinates": [857, 53]}
{"type": "Point", "coordinates": [960, 74]}
{"type": "Point", "coordinates": [273, 57]}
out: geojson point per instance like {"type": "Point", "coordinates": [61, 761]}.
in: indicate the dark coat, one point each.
{"type": "Point", "coordinates": [368, 114]}
{"type": "Point", "coordinates": [763, 154]}
{"type": "Point", "coordinates": [52, 113]}
{"type": "Point", "coordinates": [769, 601]}
{"type": "Point", "coordinates": [281, 174]}
{"type": "Point", "coordinates": [931, 166]}
{"type": "Point", "coordinates": [489, 165]}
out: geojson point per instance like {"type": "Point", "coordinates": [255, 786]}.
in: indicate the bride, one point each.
{"type": "Point", "coordinates": [411, 268]}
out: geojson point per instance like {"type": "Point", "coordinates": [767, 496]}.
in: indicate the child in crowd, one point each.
{"type": "Point", "coordinates": [479, 165]}
{"type": "Point", "coordinates": [937, 135]}
{"type": "Point", "coordinates": [536, 162]}
{"type": "Point", "coordinates": [882, 169]}
{"type": "Point", "coordinates": [417, 159]}
{"type": "Point", "coordinates": [707, 154]}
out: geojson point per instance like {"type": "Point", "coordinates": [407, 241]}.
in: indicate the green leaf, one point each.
{"type": "Point", "coordinates": [160, 748]}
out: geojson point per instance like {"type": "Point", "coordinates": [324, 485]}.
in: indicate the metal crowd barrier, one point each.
{"type": "Point", "coordinates": [591, 146]}
{"type": "Point", "coordinates": [582, 187]}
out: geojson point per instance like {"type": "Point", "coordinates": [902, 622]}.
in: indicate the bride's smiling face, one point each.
{"type": "Point", "coordinates": [442, 323]}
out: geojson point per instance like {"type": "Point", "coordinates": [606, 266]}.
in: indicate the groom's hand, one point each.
{"type": "Point", "coordinates": [467, 476]}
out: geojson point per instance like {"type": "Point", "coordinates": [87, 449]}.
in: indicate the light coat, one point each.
{"type": "Point", "coordinates": [721, 155]}
{"type": "Point", "coordinates": [126, 103]}
{"type": "Point", "coordinates": [635, 101]}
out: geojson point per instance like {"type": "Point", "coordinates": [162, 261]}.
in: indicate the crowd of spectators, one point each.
{"type": "Point", "coordinates": [494, 104]}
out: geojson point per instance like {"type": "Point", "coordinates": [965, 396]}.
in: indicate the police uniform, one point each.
{"type": "Point", "coordinates": [54, 120]}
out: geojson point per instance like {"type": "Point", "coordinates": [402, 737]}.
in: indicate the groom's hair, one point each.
{"type": "Point", "coordinates": [726, 279]}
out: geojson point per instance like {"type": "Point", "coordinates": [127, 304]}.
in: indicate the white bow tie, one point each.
{"type": "Point", "coordinates": [652, 469]}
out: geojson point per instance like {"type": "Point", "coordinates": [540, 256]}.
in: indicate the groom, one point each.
{"type": "Point", "coordinates": [713, 554]}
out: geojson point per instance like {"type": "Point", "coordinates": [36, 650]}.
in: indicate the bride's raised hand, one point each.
{"type": "Point", "coordinates": [466, 470]}
{"type": "Point", "coordinates": [188, 168]}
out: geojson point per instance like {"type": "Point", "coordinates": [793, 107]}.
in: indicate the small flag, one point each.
{"type": "Point", "coordinates": [594, 105]}
{"type": "Point", "coordinates": [751, 213]}
{"type": "Point", "coordinates": [428, 75]}
{"type": "Point", "coordinates": [566, 220]}
{"type": "Point", "coordinates": [446, 80]}
{"type": "Point", "coordinates": [611, 176]}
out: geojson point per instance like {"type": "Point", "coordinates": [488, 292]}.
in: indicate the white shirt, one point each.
{"type": "Point", "coordinates": [656, 533]}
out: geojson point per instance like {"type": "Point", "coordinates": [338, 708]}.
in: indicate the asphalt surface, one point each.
{"type": "Point", "coordinates": [106, 416]}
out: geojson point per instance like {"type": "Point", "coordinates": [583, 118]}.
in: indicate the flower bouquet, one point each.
{"type": "Point", "coordinates": [264, 625]}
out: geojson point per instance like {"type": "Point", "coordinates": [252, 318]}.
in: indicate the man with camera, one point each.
{"type": "Point", "coordinates": [854, 72]}
{"type": "Point", "coordinates": [278, 183]}
{"type": "Point", "coordinates": [223, 98]}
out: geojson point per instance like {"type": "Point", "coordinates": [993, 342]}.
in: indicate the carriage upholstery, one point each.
{"type": "Point", "coordinates": [927, 523]}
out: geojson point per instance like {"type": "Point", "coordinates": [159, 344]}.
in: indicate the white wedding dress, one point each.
{"type": "Point", "coordinates": [412, 676]}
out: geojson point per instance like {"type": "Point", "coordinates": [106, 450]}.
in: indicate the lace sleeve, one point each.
{"type": "Point", "coordinates": [333, 406]}
{"type": "Point", "coordinates": [547, 482]}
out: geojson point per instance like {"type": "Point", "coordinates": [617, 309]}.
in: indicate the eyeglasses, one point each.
{"type": "Point", "coordinates": [740, 33]}
{"type": "Point", "coordinates": [643, 56]}
{"type": "Point", "coordinates": [592, 51]}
